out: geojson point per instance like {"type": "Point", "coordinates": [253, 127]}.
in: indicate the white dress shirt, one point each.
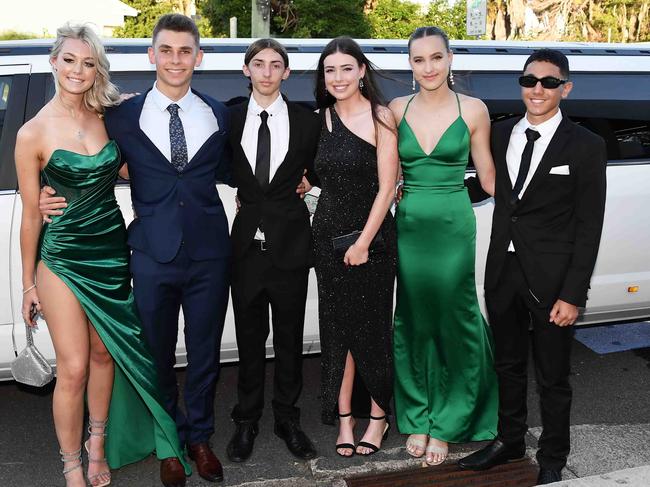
{"type": "Point", "coordinates": [198, 119]}
{"type": "Point", "coordinates": [516, 148]}
{"type": "Point", "coordinates": [278, 123]}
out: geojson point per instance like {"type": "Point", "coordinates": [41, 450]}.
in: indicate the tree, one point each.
{"type": "Point", "coordinates": [13, 35]}
{"type": "Point", "coordinates": [292, 18]}
{"type": "Point", "coordinates": [394, 19]}
{"type": "Point", "coordinates": [142, 24]}
{"type": "Point", "coordinates": [397, 19]}
{"type": "Point", "coordinates": [450, 18]}
{"type": "Point", "coordinates": [149, 11]}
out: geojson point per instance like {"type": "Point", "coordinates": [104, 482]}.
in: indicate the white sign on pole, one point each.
{"type": "Point", "coordinates": [476, 17]}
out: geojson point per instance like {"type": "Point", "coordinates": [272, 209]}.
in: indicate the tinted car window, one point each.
{"type": "Point", "coordinates": [5, 88]}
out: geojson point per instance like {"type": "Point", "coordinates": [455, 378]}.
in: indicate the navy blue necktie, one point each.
{"type": "Point", "coordinates": [524, 166]}
{"type": "Point", "coordinates": [177, 139]}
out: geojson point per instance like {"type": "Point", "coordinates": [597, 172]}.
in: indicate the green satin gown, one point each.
{"type": "Point", "coordinates": [86, 248]}
{"type": "Point", "coordinates": [445, 383]}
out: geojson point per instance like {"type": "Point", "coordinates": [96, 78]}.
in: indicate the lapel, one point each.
{"type": "Point", "coordinates": [133, 109]}
{"type": "Point", "coordinates": [555, 148]}
{"type": "Point", "coordinates": [502, 140]}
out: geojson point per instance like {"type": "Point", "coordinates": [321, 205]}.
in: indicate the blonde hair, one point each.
{"type": "Point", "coordinates": [103, 93]}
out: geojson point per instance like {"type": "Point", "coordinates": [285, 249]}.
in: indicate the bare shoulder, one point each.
{"type": "Point", "coordinates": [472, 106]}
{"type": "Point", "coordinates": [386, 115]}
{"type": "Point", "coordinates": [398, 105]}
{"type": "Point", "coordinates": [30, 133]}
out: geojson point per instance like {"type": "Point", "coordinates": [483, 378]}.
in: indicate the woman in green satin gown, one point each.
{"type": "Point", "coordinates": [445, 384]}
{"type": "Point", "coordinates": [79, 262]}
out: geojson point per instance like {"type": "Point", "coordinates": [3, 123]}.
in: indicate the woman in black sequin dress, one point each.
{"type": "Point", "coordinates": [357, 165]}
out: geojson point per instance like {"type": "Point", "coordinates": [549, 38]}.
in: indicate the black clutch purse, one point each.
{"type": "Point", "coordinates": [342, 243]}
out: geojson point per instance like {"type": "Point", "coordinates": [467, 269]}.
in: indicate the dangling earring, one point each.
{"type": "Point", "coordinates": [361, 83]}
{"type": "Point", "coordinates": [451, 76]}
{"type": "Point", "coordinates": [413, 85]}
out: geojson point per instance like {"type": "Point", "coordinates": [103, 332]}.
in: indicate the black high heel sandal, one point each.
{"type": "Point", "coordinates": [346, 445]}
{"type": "Point", "coordinates": [374, 448]}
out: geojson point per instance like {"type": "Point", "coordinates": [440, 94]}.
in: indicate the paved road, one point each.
{"type": "Point", "coordinates": [611, 422]}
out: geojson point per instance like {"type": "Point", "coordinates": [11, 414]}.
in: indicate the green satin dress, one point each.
{"type": "Point", "coordinates": [86, 248]}
{"type": "Point", "coordinates": [445, 383]}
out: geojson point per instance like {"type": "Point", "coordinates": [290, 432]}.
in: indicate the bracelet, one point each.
{"type": "Point", "coordinates": [25, 291]}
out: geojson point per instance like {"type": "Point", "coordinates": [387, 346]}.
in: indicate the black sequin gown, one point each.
{"type": "Point", "coordinates": [355, 303]}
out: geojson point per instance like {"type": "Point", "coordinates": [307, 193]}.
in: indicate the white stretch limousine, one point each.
{"type": "Point", "coordinates": [611, 96]}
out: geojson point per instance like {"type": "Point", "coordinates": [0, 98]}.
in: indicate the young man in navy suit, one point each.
{"type": "Point", "coordinates": [273, 142]}
{"type": "Point", "coordinates": [174, 141]}
{"type": "Point", "coordinates": [546, 226]}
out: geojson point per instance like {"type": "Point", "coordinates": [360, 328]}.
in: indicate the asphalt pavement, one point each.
{"type": "Point", "coordinates": [611, 425]}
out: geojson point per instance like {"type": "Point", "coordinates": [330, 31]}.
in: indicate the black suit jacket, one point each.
{"type": "Point", "coordinates": [556, 225]}
{"type": "Point", "coordinates": [279, 208]}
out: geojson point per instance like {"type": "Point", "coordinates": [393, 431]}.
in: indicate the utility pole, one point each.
{"type": "Point", "coordinates": [260, 18]}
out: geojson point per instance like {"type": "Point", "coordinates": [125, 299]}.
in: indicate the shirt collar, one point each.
{"type": "Point", "coordinates": [545, 128]}
{"type": "Point", "coordinates": [273, 109]}
{"type": "Point", "coordinates": [162, 101]}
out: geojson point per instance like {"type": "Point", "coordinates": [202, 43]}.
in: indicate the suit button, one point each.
{"type": "Point", "coordinates": [182, 203]}
{"type": "Point", "coordinates": [514, 219]}
{"type": "Point", "coordinates": [180, 176]}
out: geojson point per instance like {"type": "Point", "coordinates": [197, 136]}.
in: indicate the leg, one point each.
{"type": "Point", "coordinates": [376, 432]}
{"type": "Point", "coordinates": [345, 440]}
{"type": "Point", "coordinates": [67, 324]}
{"type": "Point", "coordinates": [100, 386]}
{"type": "Point", "coordinates": [552, 353]}
{"type": "Point", "coordinates": [205, 299]}
{"type": "Point", "coordinates": [288, 293]}
{"type": "Point", "coordinates": [156, 289]}
{"type": "Point", "coordinates": [251, 309]}
{"type": "Point", "coordinates": [509, 320]}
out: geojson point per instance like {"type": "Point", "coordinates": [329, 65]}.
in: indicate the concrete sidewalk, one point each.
{"type": "Point", "coordinates": [631, 477]}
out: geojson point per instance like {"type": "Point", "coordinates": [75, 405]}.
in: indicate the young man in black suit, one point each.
{"type": "Point", "coordinates": [546, 226]}
{"type": "Point", "coordinates": [273, 143]}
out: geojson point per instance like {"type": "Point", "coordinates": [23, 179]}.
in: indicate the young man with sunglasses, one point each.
{"type": "Point", "coordinates": [546, 226]}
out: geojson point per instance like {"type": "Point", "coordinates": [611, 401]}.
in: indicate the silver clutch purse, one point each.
{"type": "Point", "coordinates": [30, 367]}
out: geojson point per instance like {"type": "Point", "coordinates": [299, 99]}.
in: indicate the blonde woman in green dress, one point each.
{"type": "Point", "coordinates": [445, 384]}
{"type": "Point", "coordinates": [75, 270]}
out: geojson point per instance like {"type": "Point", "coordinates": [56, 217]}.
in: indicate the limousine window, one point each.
{"type": "Point", "coordinates": [5, 88]}
{"type": "Point", "coordinates": [621, 117]}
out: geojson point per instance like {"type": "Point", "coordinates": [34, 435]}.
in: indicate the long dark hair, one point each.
{"type": "Point", "coordinates": [370, 91]}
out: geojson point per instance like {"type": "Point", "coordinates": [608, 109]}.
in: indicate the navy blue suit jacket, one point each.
{"type": "Point", "coordinates": [173, 208]}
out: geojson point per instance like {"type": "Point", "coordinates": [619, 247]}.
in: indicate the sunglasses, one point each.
{"type": "Point", "coordinates": [548, 82]}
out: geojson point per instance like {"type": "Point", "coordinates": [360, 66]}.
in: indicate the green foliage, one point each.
{"type": "Point", "coordinates": [397, 19]}
{"type": "Point", "coordinates": [142, 25]}
{"type": "Point", "coordinates": [296, 18]}
{"type": "Point", "coordinates": [333, 18]}
{"type": "Point", "coordinates": [218, 12]}
{"type": "Point", "coordinates": [394, 19]}
{"type": "Point", "coordinates": [451, 19]}
{"type": "Point", "coordinates": [12, 35]}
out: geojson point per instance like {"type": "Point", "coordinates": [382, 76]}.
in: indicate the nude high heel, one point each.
{"type": "Point", "coordinates": [94, 480]}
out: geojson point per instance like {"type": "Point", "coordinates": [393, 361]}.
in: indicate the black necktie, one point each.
{"type": "Point", "coordinates": [524, 166]}
{"type": "Point", "coordinates": [263, 161]}
{"type": "Point", "coordinates": [177, 141]}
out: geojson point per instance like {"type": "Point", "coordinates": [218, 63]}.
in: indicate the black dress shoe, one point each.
{"type": "Point", "coordinates": [296, 439]}
{"type": "Point", "coordinates": [548, 476]}
{"type": "Point", "coordinates": [241, 444]}
{"type": "Point", "coordinates": [495, 453]}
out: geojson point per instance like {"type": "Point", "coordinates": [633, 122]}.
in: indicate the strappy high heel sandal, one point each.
{"type": "Point", "coordinates": [96, 480]}
{"type": "Point", "coordinates": [374, 448]}
{"type": "Point", "coordinates": [431, 450]}
{"type": "Point", "coordinates": [346, 445]}
{"type": "Point", "coordinates": [70, 457]}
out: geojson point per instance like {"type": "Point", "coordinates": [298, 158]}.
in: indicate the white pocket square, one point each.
{"type": "Point", "coordinates": [562, 170]}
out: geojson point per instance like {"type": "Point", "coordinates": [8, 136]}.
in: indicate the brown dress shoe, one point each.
{"type": "Point", "coordinates": [207, 463]}
{"type": "Point", "coordinates": [172, 473]}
